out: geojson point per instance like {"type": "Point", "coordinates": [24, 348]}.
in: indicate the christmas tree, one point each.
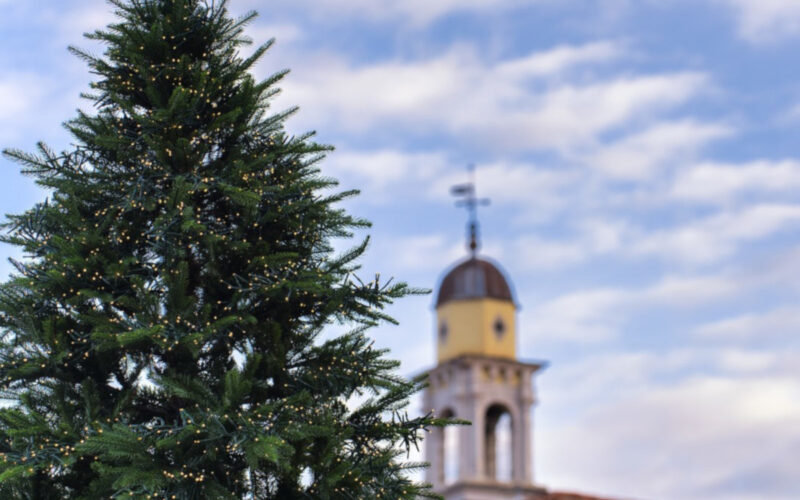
{"type": "Point", "coordinates": [161, 338]}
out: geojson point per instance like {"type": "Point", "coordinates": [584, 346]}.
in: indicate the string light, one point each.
{"type": "Point", "coordinates": [176, 284]}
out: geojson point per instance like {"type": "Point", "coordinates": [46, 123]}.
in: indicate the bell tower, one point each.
{"type": "Point", "coordinates": [479, 378]}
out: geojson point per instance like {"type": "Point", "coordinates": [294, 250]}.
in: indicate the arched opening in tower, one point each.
{"type": "Point", "coordinates": [498, 443]}
{"type": "Point", "coordinates": [448, 451]}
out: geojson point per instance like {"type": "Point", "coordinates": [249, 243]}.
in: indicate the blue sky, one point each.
{"type": "Point", "coordinates": [643, 165]}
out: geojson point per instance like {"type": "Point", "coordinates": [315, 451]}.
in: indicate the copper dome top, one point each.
{"type": "Point", "coordinates": [474, 279]}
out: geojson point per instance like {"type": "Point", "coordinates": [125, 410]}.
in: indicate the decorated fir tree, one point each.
{"type": "Point", "coordinates": [161, 337]}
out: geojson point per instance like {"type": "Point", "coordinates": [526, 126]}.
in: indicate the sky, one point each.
{"type": "Point", "coordinates": [642, 161]}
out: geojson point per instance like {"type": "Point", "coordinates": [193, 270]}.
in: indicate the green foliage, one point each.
{"type": "Point", "coordinates": [161, 337]}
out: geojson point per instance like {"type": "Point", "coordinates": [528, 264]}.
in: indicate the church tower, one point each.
{"type": "Point", "coordinates": [479, 378]}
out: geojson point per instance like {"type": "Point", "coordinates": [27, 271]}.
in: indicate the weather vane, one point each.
{"type": "Point", "coordinates": [470, 200]}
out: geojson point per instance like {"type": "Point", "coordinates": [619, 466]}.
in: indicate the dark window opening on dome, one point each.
{"type": "Point", "coordinates": [499, 328]}
{"type": "Point", "coordinates": [443, 332]}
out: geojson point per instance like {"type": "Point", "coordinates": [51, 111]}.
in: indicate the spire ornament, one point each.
{"type": "Point", "coordinates": [471, 202]}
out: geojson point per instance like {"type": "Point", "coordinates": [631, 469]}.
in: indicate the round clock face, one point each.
{"type": "Point", "coordinates": [499, 328]}
{"type": "Point", "coordinates": [443, 331]}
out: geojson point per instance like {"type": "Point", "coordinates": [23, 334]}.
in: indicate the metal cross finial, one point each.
{"type": "Point", "coordinates": [471, 202]}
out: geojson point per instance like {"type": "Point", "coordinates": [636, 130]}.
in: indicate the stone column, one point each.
{"type": "Point", "coordinates": [434, 454]}
{"type": "Point", "coordinates": [470, 436]}
{"type": "Point", "coordinates": [522, 449]}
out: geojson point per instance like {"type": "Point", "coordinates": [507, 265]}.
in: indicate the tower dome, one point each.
{"type": "Point", "coordinates": [475, 309]}
{"type": "Point", "coordinates": [475, 312]}
{"type": "Point", "coordinates": [474, 278]}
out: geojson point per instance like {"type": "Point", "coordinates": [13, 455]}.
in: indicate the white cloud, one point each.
{"type": "Point", "coordinates": [587, 316]}
{"type": "Point", "coordinates": [428, 253]}
{"type": "Point", "coordinates": [710, 239]}
{"type": "Point", "coordinates": [595, 236]}
{"type": "Point", "coordinates": [789, 116]}
{"type": "Point", "coordinates": [282, 33]}
{"type": "Point", "coordinates": [417, 12]}
{"type": "Point", "coordinates": [700, 241]}
{"type": "Point", "coordinates": [491, 104]}
{"type": "Point", "coordinates": [69, 24]}
{"type": "Point", "coordinates": [431, 252]}
{"type": "Point", "coordinates": [560, 59]}
{"type": "Point", "coordinates": [384, 172]}
{"type": "Point", "coordinates": [538, 189]}
{"type": "Point", "coordinates": [659, 425]}
{"type": "Point", "coordinates": [766, 20]}
{"type": "Point", "coordinates": [721, 183]}
{"type": "Point", "coordinates": [356, 98]}
{"type": "Point", "coordinates": [19, 93]}
{"type": "Point", "coordinates": [689, 291]}
{"type": "Point", "coordinates": [534, 252]}
{"type": "Point", "coordinates": [598, 315]}
{"type": "Point", "coordinates": [571, 116]}
{"type": "Point", "coordinates": [639, 155]}
{"type": "Point", "coordinates": [745, 362]}
{"type": "Point", "coordinates": [772, 324]}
